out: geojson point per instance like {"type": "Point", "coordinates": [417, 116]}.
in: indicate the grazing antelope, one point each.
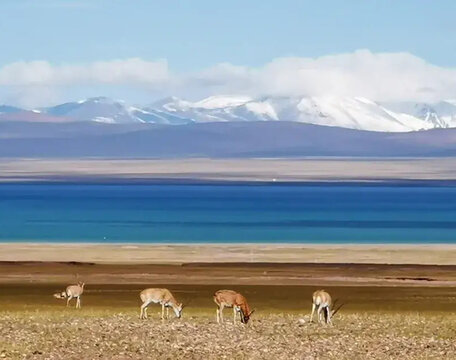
{"type": "Point", "coordinates": [323, 300]}
{"type": "Point", "coordinates": [232, 299]}
{"type": "Point", "coordinates": [162, 297]}
{"type": "Point", "coordinates": [72, 291]}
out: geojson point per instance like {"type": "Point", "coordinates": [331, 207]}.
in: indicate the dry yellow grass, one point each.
{"type": "Point", "coordinates": [382, 318]}
{"type": "Point", "coordinates": [376, 323]}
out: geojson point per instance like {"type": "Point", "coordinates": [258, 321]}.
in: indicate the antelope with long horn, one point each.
{"type": "Point", "coordinates": [322, 301]}
{"type": "Point", "coordinates": [162, 297]}
{"type": "Point", "coordinates": [72, 292]}
{"type": "Point", "coordinates": [232, 299]}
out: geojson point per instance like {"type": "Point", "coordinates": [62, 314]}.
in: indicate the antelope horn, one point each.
{"type": "Point", "coordinates": [336, 310]}
{"type": "Point", "coordinates": [188, 302]}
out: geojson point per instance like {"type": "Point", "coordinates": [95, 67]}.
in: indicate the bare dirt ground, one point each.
{"type": "Point", "coordinates": [230, 273]}
{"type": "Point", "coordinates": [85, 334]}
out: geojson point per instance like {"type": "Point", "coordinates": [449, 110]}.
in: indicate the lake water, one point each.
{"type": "Point", "coordinates": [186, 213]}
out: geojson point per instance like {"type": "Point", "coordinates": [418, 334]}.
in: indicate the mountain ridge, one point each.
{"type": "Point", "coordinates": [352, 113]}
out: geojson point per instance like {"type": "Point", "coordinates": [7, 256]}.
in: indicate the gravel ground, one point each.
{"type": "Point", "coordinates": [96, 334]}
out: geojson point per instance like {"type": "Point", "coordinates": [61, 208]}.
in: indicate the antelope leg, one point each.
{"type": "Point", "coordinates": [320, 308]}
{"type": "Point", "coordinates": [313, 311]}
{"type": "Point", "coordinates": [221, 313]}
{"type": "Point", "coordinates": [142, 314]}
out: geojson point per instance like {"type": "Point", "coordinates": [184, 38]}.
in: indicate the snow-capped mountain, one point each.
{"type": "Point", "coordinates": [15, 114]}
{"type": "Point", "coordinates": [353, 113]}
{"type": "Point", "coordinates": [105, 110]}
{"type": "Point", "coordinates": [441, 114]}
{"type": "Point", "coordinates": [218, 108]}
{"type": "Point", "coordinates": [98, 109]}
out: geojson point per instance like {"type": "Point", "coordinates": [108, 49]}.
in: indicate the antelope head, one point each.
{"type": "Point", "coordinates": [246, 317]}
{"type": "Point", "coordinates": [178, 310]}
{"type": "Point", "coordinates": [60, 295]}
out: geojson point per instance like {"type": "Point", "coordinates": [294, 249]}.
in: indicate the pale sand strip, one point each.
{"type": "Point", "coordinates": [175, 254]}
{"type": "Point", "coordinates": [310, 169]}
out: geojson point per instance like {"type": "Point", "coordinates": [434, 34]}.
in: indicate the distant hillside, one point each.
{"type": "Point", "coordinates": [226, 139]}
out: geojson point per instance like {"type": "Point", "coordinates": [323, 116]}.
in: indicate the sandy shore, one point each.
{"type": "Point", "coordinates": [423, 265]}
{"type": "Point", "coordinates": [441, 254]}
{"type": "Point", "coordinates": [299, 170]}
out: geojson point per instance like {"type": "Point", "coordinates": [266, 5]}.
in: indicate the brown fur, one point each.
{"type": "Point", "coordinates": [321, 301]}
{"type": "Point", "coordinates": [164, 297]}
{"type": "Point", "coordinates": [235, 300]}
{"type": "Point", "coordinates": [72, 291]}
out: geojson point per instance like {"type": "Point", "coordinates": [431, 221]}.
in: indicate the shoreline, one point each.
{"type": "Point", "coordinates": [365, 265]}
{"type": "Point", "coordinates": [400, 245]}
{"type": "Point", "coordinates": [195, 181]}
{"type": "Point", "coordinates": [248, 170]}
{"type": "Point", "coordinates": [173, 253]}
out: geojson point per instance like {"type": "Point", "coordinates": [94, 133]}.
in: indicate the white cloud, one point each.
{"type": "Point", "coordinates": [378, 76]}
{"type": "Point", "coordinates": [31, 97]}
{"type": "Point", "coordinates": [126, 72]}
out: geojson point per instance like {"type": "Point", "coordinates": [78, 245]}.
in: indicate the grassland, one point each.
{"type": "Point", "coordinates": [390, 311]}
{"type": "Point", "coordinates": [376, 323]}
{"type": "Point", "coordinates": [121, 335]}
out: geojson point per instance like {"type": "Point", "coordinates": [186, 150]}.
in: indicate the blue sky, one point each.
{"type": "Point", "coordinates": [195, 35]}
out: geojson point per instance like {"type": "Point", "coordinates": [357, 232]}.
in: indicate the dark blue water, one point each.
{"type": "Point", "coordinates": [228, 213]}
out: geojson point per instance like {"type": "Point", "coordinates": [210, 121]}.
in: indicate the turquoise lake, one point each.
{"type": "Point", "coordinates": [212, 213]}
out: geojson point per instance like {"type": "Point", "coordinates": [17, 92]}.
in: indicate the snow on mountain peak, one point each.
{"type": "Point", "coordinates": [263, 109]}
{"type": "Point", "coordinates": [100, 100]}
{"type": "Point", "coordinates": [440, 114]}
{"type": "Point", "coordinates": [347, 112]}
{"type": "Point", "coordinates": [221, 101]}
